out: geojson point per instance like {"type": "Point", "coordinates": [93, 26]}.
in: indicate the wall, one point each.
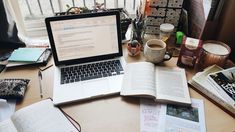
{"type": "Point", "coordinates": [223, 29]}
{"type": "Point", "coordinates": [226, 32]}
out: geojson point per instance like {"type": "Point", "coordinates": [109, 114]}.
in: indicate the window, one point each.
{"type": "Point", "coordinates": [30, 14]}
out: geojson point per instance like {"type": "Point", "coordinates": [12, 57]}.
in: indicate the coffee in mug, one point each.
{"type": "Point", "coordinates": [155, 51]}
{"type": "Point", "coordinates": [157, 47]}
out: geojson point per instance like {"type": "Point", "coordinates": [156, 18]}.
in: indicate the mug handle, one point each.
{"type": "Point", "coordinates": [167, 56]}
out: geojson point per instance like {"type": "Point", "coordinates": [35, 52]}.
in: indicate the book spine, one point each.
{"type": "Point", "coordinates": [215, 99]}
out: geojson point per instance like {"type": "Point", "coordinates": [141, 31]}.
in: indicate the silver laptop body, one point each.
{"type": "Point", "coordinates": [85, 40]}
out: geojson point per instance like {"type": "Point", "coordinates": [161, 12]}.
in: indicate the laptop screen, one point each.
{"type": "Point", "coordinates": [84, 36]}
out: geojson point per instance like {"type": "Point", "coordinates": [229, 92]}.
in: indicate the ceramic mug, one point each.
{"type": "Point", "coordinates": [155, 51]}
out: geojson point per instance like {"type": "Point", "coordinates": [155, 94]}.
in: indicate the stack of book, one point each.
{"type": "Point", "coordinates": [29, 56]}
{"type": "Point", "coordinates": [218, 85]}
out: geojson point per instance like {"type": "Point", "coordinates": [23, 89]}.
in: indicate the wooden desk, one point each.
{"type": "Point", "coordinates": [112, 113]}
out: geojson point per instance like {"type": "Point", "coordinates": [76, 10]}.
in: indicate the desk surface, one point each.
{"type": "Point", "coordinates": [111, 113]}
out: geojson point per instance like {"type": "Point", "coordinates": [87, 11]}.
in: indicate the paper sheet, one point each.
{"type": "Point", "coordinates": [172, 118]}
{"type": "Point", "coordinates": [7, 108]}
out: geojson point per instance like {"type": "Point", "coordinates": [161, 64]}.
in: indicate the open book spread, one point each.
{"type": "Point", "coordinates": [165, 84]}
{"type": "Point", "coordinates": [41, 116]}
{"type": "Point", "coordinates": [156, 117]}
{"type": "Point", "coordinates": [201, 83]}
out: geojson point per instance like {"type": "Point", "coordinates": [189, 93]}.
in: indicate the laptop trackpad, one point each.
{"type": "Point", "coordinates": [96, 87]}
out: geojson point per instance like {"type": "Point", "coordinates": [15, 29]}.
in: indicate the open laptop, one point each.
{"type": "Point", "coordinates": [87, 52]}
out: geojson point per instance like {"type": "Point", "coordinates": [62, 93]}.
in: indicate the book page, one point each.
{"type": "Point", "coordinates": [7, 126]}
{"type": "Point", "coordinates": [139, 79]}
{"type": "Point", "coordinates": [150, 113]}
{"type": "Point", "coordinates": [156, 117]}
{"type": "Point", "coordinates": [172, 85]}
{"type": "Point", "coordinates": [42, 116]}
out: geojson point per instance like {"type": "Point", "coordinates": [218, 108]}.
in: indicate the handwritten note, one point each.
{"type": "Point", "coordinates": [156, 117]}
{"type": "Point", "coordinates": [149, 116]}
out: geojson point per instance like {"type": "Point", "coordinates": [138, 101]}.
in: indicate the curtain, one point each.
{"type": "Point", "coordinates": [8, 30]}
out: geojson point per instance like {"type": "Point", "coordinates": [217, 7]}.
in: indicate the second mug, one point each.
{"type": "Point", "coordinates": [155, 51]}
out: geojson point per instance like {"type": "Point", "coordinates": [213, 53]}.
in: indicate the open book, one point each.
{"type": "Point", "coordinates": [41, 116]}
{"type": "Point", "coordinates": [201, 84]}
{"type": "Point", "coordinates": [164, 84]}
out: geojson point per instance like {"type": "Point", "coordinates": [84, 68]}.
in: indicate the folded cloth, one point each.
{"type": "Point", "coordinates": [13, 88]}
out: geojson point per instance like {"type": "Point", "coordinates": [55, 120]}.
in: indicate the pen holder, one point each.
{"type": "Point", "coordinates": [137, 34]}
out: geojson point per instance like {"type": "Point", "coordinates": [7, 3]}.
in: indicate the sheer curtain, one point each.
{"type": "Point", "coordinates": [8, 29]}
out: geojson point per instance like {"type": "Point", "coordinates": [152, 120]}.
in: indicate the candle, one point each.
{"type": "Point", "coordinates": [213, 52]}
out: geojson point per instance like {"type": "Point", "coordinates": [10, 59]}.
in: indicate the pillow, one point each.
{"type": "Point", "coordinates": [13, 88]}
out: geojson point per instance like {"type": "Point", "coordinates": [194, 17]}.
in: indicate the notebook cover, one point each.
{"type": "Point", "coordinates": [43, 60]}
{"type": "Point", "coordinates": [26, 54]}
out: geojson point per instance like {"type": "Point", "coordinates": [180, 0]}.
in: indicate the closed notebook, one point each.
{"type": "Point", "coordinates": [26, 54]}
{"type": "Point", "coordinates": [43, 60]}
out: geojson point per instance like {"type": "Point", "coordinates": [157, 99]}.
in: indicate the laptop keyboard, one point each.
{"type": "Point", "coordinates": [91, 71]}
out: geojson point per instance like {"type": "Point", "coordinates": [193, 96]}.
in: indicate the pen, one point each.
{"type": "Point", "coordinates": [46, 68]}
{"type": "Point", "coordinates": [40, 82]}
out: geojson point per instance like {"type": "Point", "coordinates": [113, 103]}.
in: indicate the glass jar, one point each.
{"type": "Point", "coordinates": [165, 31]}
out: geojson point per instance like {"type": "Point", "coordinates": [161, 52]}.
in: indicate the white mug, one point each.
{"type": "Point", "coordinates": [155, 51]}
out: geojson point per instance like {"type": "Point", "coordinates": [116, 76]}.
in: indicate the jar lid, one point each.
{"type": "Point", "coordinates": [166, 27]}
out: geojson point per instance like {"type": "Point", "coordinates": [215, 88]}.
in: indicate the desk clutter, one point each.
{"type": "Point", "coordinates": [171, 107]}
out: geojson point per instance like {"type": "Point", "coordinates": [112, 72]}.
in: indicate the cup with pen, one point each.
{"type": "Point", "coordinates": [138, 29]}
